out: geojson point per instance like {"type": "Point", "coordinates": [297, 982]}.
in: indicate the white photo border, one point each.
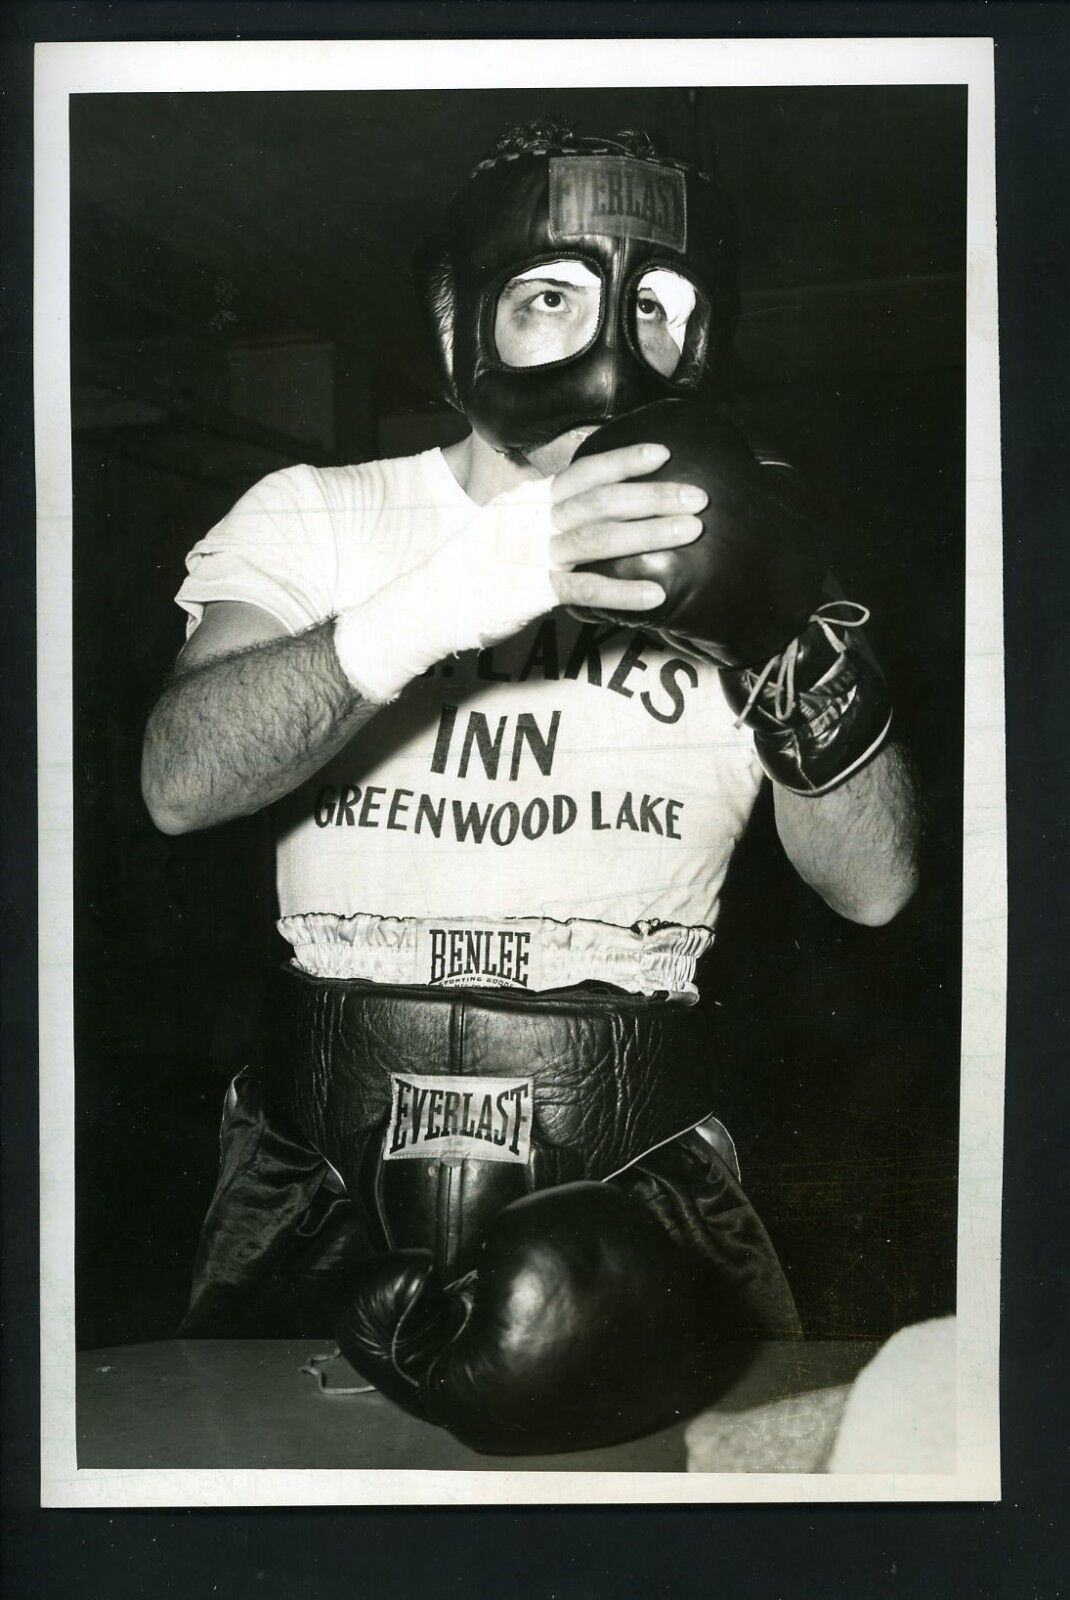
{"type": "Point", "coordinates": [62, 70]}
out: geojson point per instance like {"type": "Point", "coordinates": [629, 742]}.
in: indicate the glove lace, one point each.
{"type": "Point", "coordinates": [314, 1368]}
{"type": "Point", "coordinates": [395, 1338]}
{"type": "Point", "coordinates": [785, 696]}
{"type": "Point", "coordinates": [458, 1289]}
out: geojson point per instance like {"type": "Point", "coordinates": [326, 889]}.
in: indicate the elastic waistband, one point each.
{"type": "Point", "coordinates": [518, 954]}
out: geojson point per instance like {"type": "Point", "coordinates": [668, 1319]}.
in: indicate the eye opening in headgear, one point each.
{"type": "Point", "coordinates": [533, 339]}
{"type": "Point", "coordinates": [671, 342]}
{"type": "Point", "coordinates": [678, 349]}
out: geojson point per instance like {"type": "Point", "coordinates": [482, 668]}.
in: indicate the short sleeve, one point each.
{"type": "Point", "coordinates": [276, 549]}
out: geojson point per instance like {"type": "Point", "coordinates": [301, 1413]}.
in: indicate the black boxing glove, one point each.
{"type": "Point", "coordinates": [748, 594]}
{"type": "Point", "coordinates": [747, 585]}
{"type": "Point", "coordinates": [820, 709]}
{"type": "Point", "coordinates": [583, 1324]}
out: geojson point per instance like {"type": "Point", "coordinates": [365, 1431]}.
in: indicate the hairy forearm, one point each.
{"type": "Point", "coordinates": [239, 731]}
{"type": "Point", "coordinates": [857, 846]}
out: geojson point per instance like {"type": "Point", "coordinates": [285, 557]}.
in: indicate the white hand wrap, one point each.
{"type": "Point", "coordinates": [487, 582]}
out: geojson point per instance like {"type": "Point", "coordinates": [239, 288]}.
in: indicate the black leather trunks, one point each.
{"type": "Point", "coordinates": [438, 1107]}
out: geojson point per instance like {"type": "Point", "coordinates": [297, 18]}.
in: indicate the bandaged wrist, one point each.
{"type": "Point", "coordinates": [488, 581]}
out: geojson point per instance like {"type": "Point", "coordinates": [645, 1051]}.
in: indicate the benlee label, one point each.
{"type": "Point", "coordinates": [483, 954]}
{"type": "Point", "coordinates": [618, 195]}
{"type": "Point", "coordinates": [478, 1119]}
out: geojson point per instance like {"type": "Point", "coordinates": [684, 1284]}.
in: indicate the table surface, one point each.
{"type": "Point", "coordinates": [246, 1403]}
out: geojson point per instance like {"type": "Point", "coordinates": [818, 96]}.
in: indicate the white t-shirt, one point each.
{"type": "Point", "coordinates": [577, 770]}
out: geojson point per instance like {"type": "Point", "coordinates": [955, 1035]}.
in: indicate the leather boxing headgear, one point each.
{"type": "Point", "coordinates": [653, 237]}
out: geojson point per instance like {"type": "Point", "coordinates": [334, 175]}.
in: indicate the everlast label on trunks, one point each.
{"type": "Point", "coordinates": [442, 1118]}
{"type": "Point", "coordinates": [618, 196]}
{"type": "Point", "coordinates": [495, 958]}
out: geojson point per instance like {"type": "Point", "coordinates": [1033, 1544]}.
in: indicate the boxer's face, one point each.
{"type": "Point", "coordinates": [554, 311]}
{"type": "Point", "coordinates": [550, 314]}
{"type": "Point", "coordinates": [573, 287]}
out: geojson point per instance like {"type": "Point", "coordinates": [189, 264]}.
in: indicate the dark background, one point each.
{"type": "Point", "coordinates": [240, 301]}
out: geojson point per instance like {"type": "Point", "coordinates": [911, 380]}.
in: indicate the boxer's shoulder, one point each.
{"type": "Point", "coordinates": [369, 487]}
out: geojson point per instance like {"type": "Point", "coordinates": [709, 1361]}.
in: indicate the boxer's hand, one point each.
{"type": "Point", "coordinates": [602, 510]}
{"type": "Point", "coordinates": [749, 585]}
{"type": "Point", "coordinates": [583, 1323]}
{"type": "Point", "coordinates": [513, 562]}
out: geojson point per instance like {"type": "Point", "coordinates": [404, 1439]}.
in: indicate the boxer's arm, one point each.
{"type": "Point", "coordinates": [857, 846]}
{"type": "Point", "coordinates": [250, 713]}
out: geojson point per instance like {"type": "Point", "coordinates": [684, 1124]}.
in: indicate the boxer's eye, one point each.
{"type": "Point", "coordinates": [665, 308]}
{"type": "Point", "coordinates": [547, 313]}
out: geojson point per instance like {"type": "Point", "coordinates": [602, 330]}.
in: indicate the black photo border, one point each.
{"type": "Point", "coordinates": [1012, 1549]}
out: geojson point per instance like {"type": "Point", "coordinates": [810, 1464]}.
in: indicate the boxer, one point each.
{"type": "Point", "coordinates": [512, 703]}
